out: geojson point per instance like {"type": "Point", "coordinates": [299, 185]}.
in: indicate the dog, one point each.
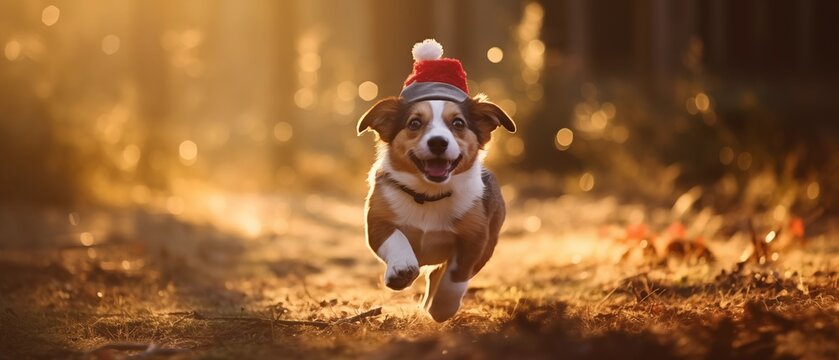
{"type": "Point", "coordinates": [431, 201]}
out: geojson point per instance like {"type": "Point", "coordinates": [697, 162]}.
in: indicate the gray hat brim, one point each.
{"type": "Point", "coordinates": [420, 91]}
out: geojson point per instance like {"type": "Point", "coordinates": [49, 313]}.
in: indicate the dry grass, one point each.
{"type": "Point", "coordinates": [555, 289]}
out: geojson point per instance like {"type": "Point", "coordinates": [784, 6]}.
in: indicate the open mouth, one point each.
{"type": "Point", "coordinates": [435, 169]}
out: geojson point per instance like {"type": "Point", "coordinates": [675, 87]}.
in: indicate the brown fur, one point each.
{"type": "Point", "coordinates": [379, 220]}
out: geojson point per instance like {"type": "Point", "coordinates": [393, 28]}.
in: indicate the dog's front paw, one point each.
{"type": "Point", "coordinates": [400, 277]}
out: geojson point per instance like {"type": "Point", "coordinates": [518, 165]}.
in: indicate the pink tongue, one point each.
{"type": "Point", "coordinates": [437, 168]}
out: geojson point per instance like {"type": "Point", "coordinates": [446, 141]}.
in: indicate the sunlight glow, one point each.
{"type": "Point", "coordinates": [514, 146]}
{"type": "Point", "coordinates": [12, 50]}
{"type": "Point", "coordinates": [175, 205]}
{"type": "Point", "coordinates": [702, 102]}
{"type": "Point", "coordinates": [309, 62]}
{"type": "Point", "coordinates": [531, 49]}
{"type": "Point", "coordinates": [530, 76]}
{"type": "Point", "coordinates": [304, 98]}
{"type": "Point", "coordinates": [532, 223]}
{"type": "Point", "coordinates": [86, 238]}
{"type": "Point", "coordinates": [599, 120]}
{"type": "Point", "coordinates": [50, 15]}
{"type": "Point", "coordinates": [140, 194]}
{"type": "Point", "coordinates": [307, 78]}
{"type": "Point", "coordinates": [368, 90]}
{"type": "Point", "coordinates": [73, 218]}
{"type": "Point", "coordinates": [620, 134]}
{"type": "Point", "coordinates": [609, 109]}
{"type": "Point", "coordinates": [188, 151]}
{"type": "Point", "coordinates": [250, 225]}
{"type": "Point", "coordinates": [110, 44]}
{"type": "Point", "coordinates": [536, 46]}
{"type": "Point", "coordinates": [346, 90]}
{"type": "Point", "coordinates": [586, 182]}
{"type": "Point", "coordinates": [535, 92]}
{"type": "Point", "coordinates": [744, 161]}
{"type": "Point", "coordinates": [131, 155]}
{"type": "Point", "coordinates": [564, 138]}
{"type": "Point", "coordinates": [690, 106]}
{"type": "Point", "coordinates": [779, 213]}
{"type": "Point", "coordinates": [495, 55]}
{"type": "Point", "coordinates": [283, 131]}
{"type": "Point", "coordinates": [813, 190]}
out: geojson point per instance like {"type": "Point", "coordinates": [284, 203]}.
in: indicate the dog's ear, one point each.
{"type": "Point", "coordinates": [381, 118]}
{"type": "Point", "coordinates": [488, 117]}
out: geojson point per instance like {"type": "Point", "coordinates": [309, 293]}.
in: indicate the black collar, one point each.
{"type": "Point", "coordinates": [420, 198]}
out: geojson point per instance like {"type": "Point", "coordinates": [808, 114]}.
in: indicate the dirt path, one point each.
{"type": "Point", "coordinates": [556, 286]}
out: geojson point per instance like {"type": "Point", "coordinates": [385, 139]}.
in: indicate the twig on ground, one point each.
{"type": "Point", "coordinates": [651, 293]}
{"type": "Point", "coordinates": [596, 307]}
{"type": "Point", "coordinates": [621, 283]}
{"type": "Point", "coordinates": [369, 313]}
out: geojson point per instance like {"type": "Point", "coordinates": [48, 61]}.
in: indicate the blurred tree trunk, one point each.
{"type": "Point", "coordinates": [284, 27]}
{"type": "Point", "coordinates": [565, 31]}
{"type": "Point", "coordinates": [393, 35]}
{"type": "Point", "coordinates": [151, 76]}
{"type": "Point", "coordinates": [662, 38]}
{"type": "Point", "coordinates": [31, 160]}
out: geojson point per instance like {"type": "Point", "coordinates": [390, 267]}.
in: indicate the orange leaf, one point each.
{"type": "Point", "coordinates": [796, 227]}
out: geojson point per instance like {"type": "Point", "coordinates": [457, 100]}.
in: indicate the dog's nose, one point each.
{"type": "Point", "coordinates": [437, 145]}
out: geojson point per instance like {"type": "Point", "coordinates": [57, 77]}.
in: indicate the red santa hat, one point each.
{"type": "Point", "coordinates": [434, 77]}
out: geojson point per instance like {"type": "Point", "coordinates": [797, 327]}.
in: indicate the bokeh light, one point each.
{"type": "Point", "coordinates": [514, 146]}
{"type": "Point", "coordinates": [564, 138]}
{"type": "Point", "coordinates": [813, 190]}
{"type": "Point", "coordinates": [188, 151]}
{"type": "Point", "coordinates": [131, 155]}
{"type": "Point", "coordinates": [283, 131]}
{"type": "Point", "coordinates": [702, 102]}
{"type": "Point", "coordinates": [110, 44]}
{"type": "Point", "coordinates": [12, 50]}
{"type": "Point", "coordinates": [304, 98]}
{"type": "Point", "coordinates": [368, 90]}
{"type": "Point", "coordinates": [495, 55]}
{"type": "Point", "coordinates": [50, 14]}
{"type": "Point", "coordinates": [346, 90]}
{"type": "Point", "coordinates": [586, 182]}
{"type": "Point", "coordinates": [86, 238]}
{"type": "Point", "coordinates": [532, 223]}
{"type": "Point", "coordinates": [744, 161]}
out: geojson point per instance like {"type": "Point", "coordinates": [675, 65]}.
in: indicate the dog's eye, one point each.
{"type": "Point", "coordinates": [458, 123]}
{"type": "Point", "coordinates": [414, 124]}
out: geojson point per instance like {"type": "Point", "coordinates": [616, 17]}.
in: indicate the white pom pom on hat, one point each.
{"type": "Point", "coordinates": [428, 49]}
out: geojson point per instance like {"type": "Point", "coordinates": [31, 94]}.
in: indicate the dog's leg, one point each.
{"type": "Point", "coordinates": [469, 251]}
{"type": "Point", "coordinates": [402, 264]}
{"type": "Point", "coordinates": [432, 282]}
{"type": "Point", "coordinates": [447, 298]}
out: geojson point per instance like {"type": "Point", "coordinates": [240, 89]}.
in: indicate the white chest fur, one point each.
{"type": "Point", "coordinates": [466, 188]}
